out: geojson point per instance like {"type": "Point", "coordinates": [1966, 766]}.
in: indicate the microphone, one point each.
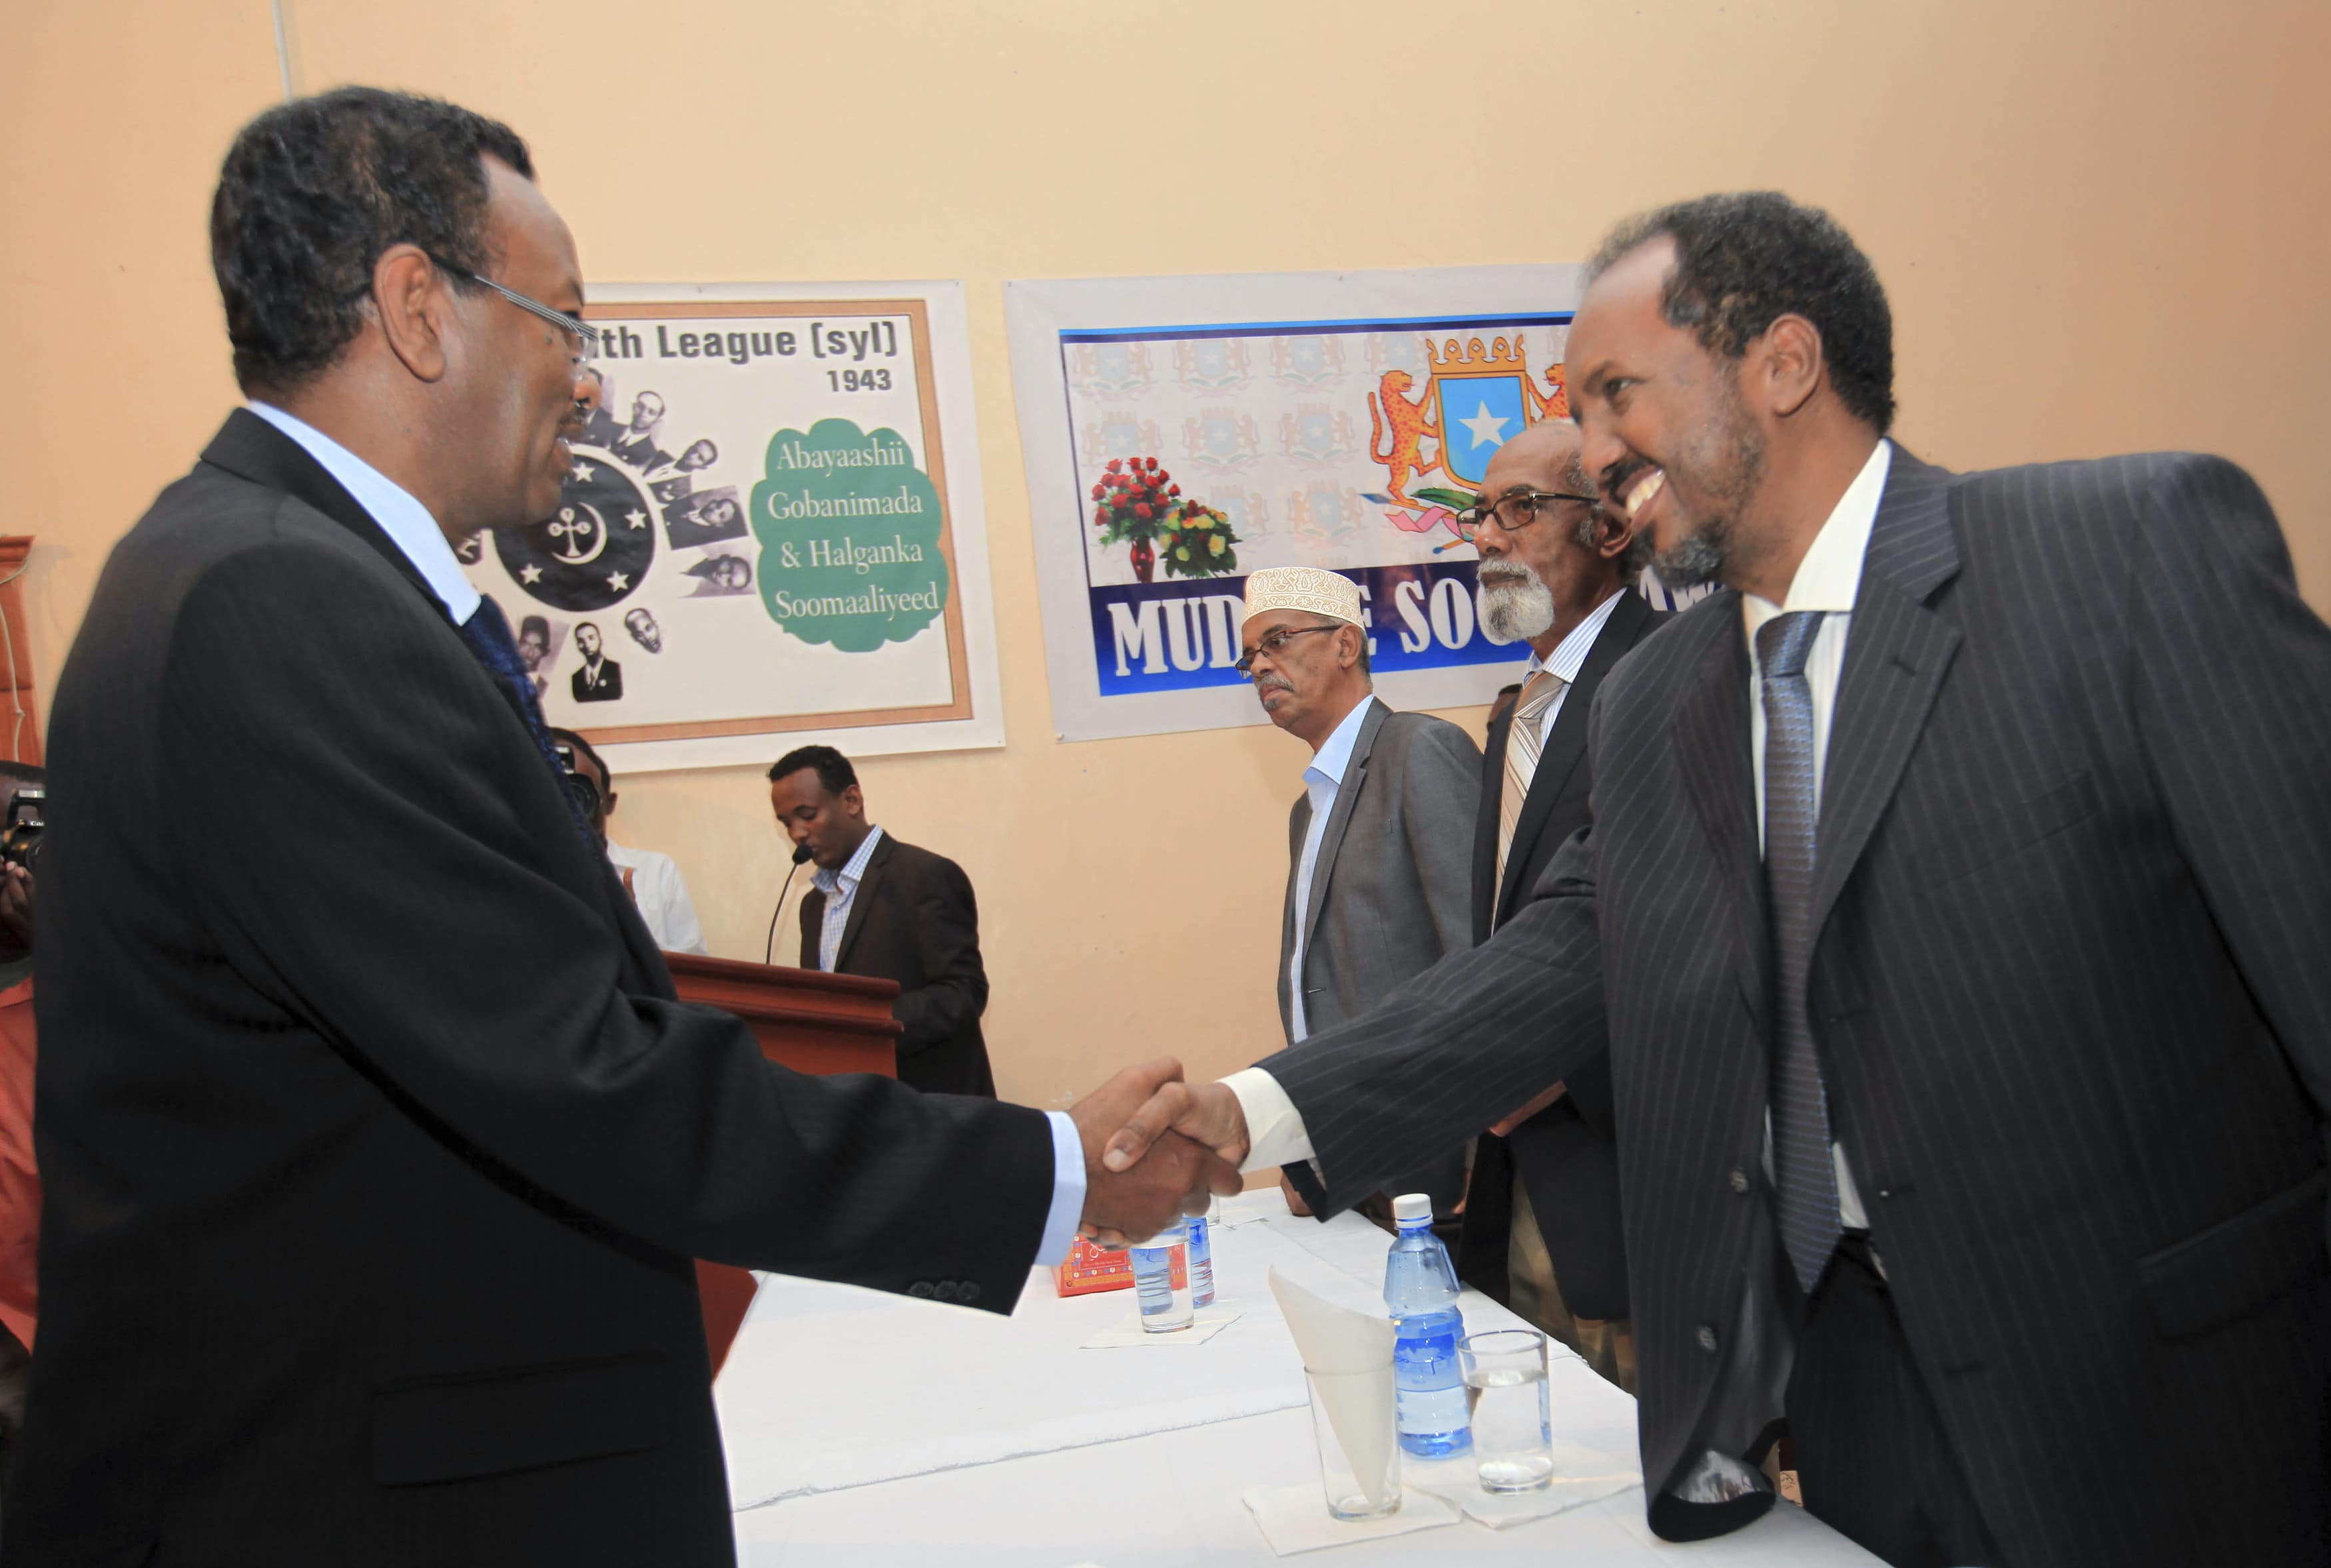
{"type": "Point", "coordinates": [769, 952]}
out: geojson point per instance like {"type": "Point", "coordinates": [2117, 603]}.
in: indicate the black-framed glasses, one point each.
{"type": "Point", "coordinates": [585, 336]}
{"type": "Point", "coordinates": [1512, 512]}
{"type": "Point", "coordinates": [1272, 641]}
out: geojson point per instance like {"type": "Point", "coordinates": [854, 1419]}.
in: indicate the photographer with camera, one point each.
{"type": "Point", "coordinates": [653, 880]}
{"type": "Point", "coordinates": [23, 785]}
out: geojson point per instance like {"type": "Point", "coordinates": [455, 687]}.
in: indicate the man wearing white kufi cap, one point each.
{"type": "Point", "coordinates": [1380, 844]}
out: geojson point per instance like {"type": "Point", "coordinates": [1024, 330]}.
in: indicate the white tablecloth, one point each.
{"type": "Point", "coordinates": [875, 1430]}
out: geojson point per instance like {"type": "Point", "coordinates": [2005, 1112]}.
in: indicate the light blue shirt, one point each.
{"type": "Point", "coordinates": [414, 533]}
{"type": "Point", "coordinates": [405, 521]}
{"type": "Point", "coordinates": [1322, 778]}
{"type": "Point", "coordinates": [840, 891]}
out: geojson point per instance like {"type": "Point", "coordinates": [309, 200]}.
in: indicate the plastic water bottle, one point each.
{"type": "Point", "coordinates": [1165, 1307]}
{"type": "Point", "coordinates": [1421, 1290]}
{"type": "Point", "coordinates": [1202, 1257]}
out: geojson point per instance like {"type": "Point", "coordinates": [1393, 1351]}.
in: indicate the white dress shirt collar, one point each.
{"type": "Point", "coordinates": [1570, 653]}
{"type": "Point", "coordinates": [405, 521]}
{"type": "Point", "coordinates": [826, 881]}
{"type": "Point", "coordinates": [1830, 576]}
{"type": "Point", "coordinates": [1335, 753]}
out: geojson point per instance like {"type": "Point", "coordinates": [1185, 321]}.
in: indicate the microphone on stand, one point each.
{"type": "Point", "coordinates": [768, 953]}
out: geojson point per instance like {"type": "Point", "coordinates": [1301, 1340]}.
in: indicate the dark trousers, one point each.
{"type": "Point", "coordinates": [1871, 1458]}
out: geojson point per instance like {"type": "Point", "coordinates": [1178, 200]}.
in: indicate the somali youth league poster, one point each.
{"type": "Point", "coordinates": [1334, 419]}
{"type": "Point", "coordinates": [770, 531]}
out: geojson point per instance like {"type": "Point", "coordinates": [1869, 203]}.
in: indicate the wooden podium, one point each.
{"type": "Point", "coordinates": [809, 1021]}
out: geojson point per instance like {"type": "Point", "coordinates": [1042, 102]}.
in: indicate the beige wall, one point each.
{"type": "Point", "coordinates": [2101, 222]}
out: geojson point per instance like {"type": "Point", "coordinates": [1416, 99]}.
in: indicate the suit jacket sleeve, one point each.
{"type": "Point", "coordinates": [1440, 786]}
{"type": "Point", "coordinates": [447, 950]}
{"type": "Point", "coordinates": [946, 920]}
{"type": "Point", "coordinates": [2233, 708]}
{"type": "Point", "coordinates": [1459, 1046]}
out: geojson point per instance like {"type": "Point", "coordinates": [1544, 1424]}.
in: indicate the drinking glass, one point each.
{"type": "Point", "coordinates": [1513, 1432]}
{"type": "Point", "coordinates": [1359, 1403]}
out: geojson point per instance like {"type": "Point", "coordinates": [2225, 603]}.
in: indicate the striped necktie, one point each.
{"type": "Point", "coordinates": [1525, 740]}
{"type": "Point", "coordinates": [1804, 1173]}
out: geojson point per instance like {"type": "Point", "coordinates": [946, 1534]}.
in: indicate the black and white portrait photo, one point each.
{"type": "Point", "coordinates": [599, 679]}
{"type": "Point", "coordinates": [539, 639]}
{"type": "Point", "coordinates": [705, 519]}
{"type": "Point", "coordinates": [722, 575]}
{"type": "Point", "coordinates": [636, 445]}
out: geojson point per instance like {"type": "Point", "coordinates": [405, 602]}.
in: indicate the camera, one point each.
{"type": "Point", "coordinates": [579, 789]}
{"type": "Point", "coordinates": [20, 840]}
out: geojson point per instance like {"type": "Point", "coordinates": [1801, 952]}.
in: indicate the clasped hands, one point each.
{"type": "Point", "coordinates": [1156, 1148]}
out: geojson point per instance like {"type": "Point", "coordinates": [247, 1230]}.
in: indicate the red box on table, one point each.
{"type": "Point", "coordinates": [1088, 1268]}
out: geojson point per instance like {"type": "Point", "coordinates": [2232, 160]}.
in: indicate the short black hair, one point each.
{"type": "Point", "coordinates": [1746, 258]}
{"type": "Point", "coordinates": [585, 748]}
{"type": "Point", "coordinates": [310, 194]}
{"type": "Point", "coordinates": [833, 769]}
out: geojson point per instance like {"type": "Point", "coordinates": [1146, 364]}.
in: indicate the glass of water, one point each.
{"type": "Point", "coordinates": [1513, 1431]}
{"type": "Point", "coordinates": [1161, 1283]}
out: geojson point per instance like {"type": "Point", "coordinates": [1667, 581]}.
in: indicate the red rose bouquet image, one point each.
{"type": "Point", "coordinates": [1135, 500]}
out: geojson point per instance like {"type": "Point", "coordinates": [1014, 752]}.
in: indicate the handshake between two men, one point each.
{"type": "Point", "coordinates": [1158, 1147]}
{"type": "Point", "coordinates": [1155, 1149]}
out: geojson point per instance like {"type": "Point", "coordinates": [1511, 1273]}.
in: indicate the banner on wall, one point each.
{"type": "Point", "coordinates": [1334, 420]}
{"type": "Point", "coordinates": [770, 531]}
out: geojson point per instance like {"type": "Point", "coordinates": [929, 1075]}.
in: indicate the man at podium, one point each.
{"type": "Point", "coordinates": [887, 908]}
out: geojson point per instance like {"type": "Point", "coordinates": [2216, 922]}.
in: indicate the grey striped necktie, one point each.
{"type": "Point", "coordinates": [1525, 740]}
{"type": "Point", "coordinates": [1802, 1171]}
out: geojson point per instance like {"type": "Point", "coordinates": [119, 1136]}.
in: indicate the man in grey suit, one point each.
{"type": "Point", "coordinates": [1963, 980]}
{"type": "Point", "coordinates": [1378, 844]}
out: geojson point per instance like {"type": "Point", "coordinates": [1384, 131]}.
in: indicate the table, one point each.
{"type": "Point", "coordinates": [880, 1430]}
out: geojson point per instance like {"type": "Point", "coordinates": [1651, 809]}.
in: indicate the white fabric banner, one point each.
{"type": "Point", "coordinates": [1313, 419]}
{"type": "Point", "coordinates": [771, 532]}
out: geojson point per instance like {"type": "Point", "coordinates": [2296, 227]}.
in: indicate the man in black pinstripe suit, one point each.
{"type": "Point", "coordinates": [2010, 910]}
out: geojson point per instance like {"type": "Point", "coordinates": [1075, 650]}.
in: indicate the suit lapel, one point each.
{"type": "Point", "coordinates": [1712, 749]}
{"type": "Point", "coordinates": [252, 449]}
{"type": "Point", "coordinates": [860, 901]}
{"type": "Point", "coordinates": [1565, 743]}
{"type": "Point", "coordinates": [1485, 825]}
{"type": "Point", "coordinates": [1896, 653]}
{"type": "Point", "coordinates": [1299, 825]}
{"type": "Point", "coordinates": [813, 908]}
{"type": "Point", "coordinates": [249, 447]}
{"type": "Point", "coordinates": [1347, 795]}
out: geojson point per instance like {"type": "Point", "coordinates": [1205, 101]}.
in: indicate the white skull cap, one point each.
{"type": "Point", "coordinates": [1307, 588]}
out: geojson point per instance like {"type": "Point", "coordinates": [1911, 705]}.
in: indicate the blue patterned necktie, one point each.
{"type": "Point", "coordinates": [1803, 1170]}
{"type": "Point", "coordinates": [487, 634]}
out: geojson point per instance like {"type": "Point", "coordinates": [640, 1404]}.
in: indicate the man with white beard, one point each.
{"type": "Point", "coordinates": [1542, 1218]}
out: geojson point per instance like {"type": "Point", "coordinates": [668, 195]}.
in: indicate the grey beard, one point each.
{"type": "Point", "coordinates": [1697, 558]}
{"type": "Point", "coordinates": [1517, 611]}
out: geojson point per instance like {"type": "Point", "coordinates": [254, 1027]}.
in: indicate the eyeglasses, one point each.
{"type": "Point", "coordinates": [1512, 513]}
{"type": "Point", "coordinates": [1272, 641]}
{"type": "Point", "coordinates": [587, 337]}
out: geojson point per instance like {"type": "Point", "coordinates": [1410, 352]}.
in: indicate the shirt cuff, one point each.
{"type": "Point", "coordinates": [1274, 1128]}
{"type": "Point", "coordinates": [1068, 1191]}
